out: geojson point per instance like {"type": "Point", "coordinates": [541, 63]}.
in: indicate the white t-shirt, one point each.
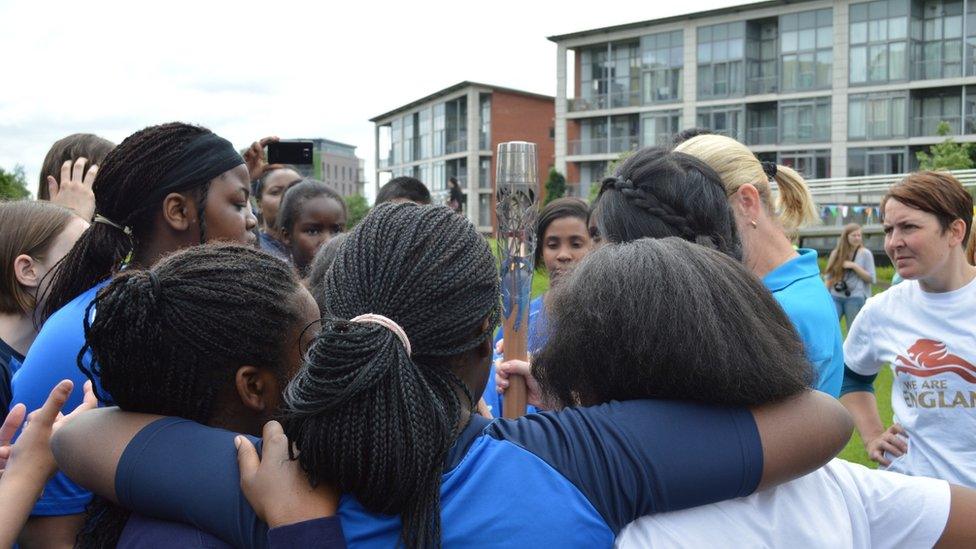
{"type": "Point", "coordinates": [839, 505]}
{"type": "Point", "coordinates": [929, 339]}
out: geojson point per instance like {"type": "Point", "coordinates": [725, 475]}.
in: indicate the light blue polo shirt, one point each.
{"type": "Point", "coordinates": [799, 289]}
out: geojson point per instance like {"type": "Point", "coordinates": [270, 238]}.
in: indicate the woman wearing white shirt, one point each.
{"type": "Point", "coordinates": [850, 273]}
{"type": "Point", "coordinates": [925, 328]}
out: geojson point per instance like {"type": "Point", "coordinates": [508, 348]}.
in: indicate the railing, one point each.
{"type": "Point", "coordinates": [457, 145]}
{"type": "Point", "coordinates": [762, 84]}
{"type": "Point", "coordinates": [604, 145]}
{"type": "Point", "coordinates": [761, 136]}
{"type": "Point", "coordinates": [936, 68]}
{"type": "Point", "coordinates": [870, 185]}
{"type": "Point", "coordinates": [925, 126]}
{"type": "Point", "coordinates": [605, 101]}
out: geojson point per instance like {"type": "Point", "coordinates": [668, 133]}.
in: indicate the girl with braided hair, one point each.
{"type": "Point", "coordinates": [311, 214]}
{"type": "Point", "coordinates": [764, 226]}
{"type": "Point", "coordinates": [163, 188]}
{"type": "Point", "coordinates": [562, 240]}
{"type": "Point", "coordinates": [383, 408]}
{"type": "Point", "coordinates": [210, 334]}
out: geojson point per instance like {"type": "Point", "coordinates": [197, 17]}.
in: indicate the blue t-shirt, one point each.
{"type": "Point", "coordinates": [799, 289]}
{"type": "Point", "coordinates": [274, 247]}
{"type": "Point", "coordinates": [142, 532]}
{"type": "Point", "coordinates": [537, 338]}
{"type": "Point", "coordinates": [10, 362]}
{"type": "Point", "coordinates": [573, 478]}
{"type": "Point", "coordinates": [52, 358]}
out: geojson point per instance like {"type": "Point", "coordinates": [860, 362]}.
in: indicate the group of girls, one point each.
{"type": "Point", "coordinates": [676, 361]}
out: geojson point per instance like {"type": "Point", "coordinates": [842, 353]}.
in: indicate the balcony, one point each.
{"type": "Point", "coordinates": [384, 164]}
{"type": "Point", "coordinates": [614, 145]}
{"type": "Point", "coordinates": [762, 135]}
{"type": "Point", "coordinates": [762, 84]}
{"type": "Point", "coordinates": [926, 69]}
{"type": "Point", "coordinates": [457, 145]}
{"type": "Point", "coordinates": [927, 126]}
{"type": "Point", "coordinates": [605, 101]}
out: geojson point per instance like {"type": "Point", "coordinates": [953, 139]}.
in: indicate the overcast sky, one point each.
{"type": "Point", "coordinates": [249, 69]}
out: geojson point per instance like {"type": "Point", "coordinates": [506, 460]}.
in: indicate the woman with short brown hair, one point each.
{"type": "Point", "coordinates": [926, 330]}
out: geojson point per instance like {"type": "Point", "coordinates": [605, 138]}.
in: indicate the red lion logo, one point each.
{"type": "Point", "coordinates": [928, 357]}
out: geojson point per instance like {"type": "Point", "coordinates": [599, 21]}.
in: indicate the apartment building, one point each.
{"type": "Point", "coordinates": [454, 132]}
{"type": "Point", "coordinates": [833, 88]}
{"type": "Point", "coordinates": [336, 165]}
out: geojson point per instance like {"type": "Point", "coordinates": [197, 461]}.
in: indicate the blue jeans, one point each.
{"type": "Point", "coordinates": [848, 306]}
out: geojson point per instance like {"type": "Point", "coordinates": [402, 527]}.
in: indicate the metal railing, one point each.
{"type": "Point", "coordinates": [762, 84]}
{"type": "Point", "coordinates": [936, 68]}
{"type": "Point", "coordinates": [457, 145]}
{"type": "Point", "coordinates": [761, 136]}
{"type": "Point", "coordinates": [604, 145]}
{"type": "Point", "coordinates": [605, 101]}
{"type": "Point", "coordinates": [870, 185]}
{"type": "Point", "coordinates": [925, 126]}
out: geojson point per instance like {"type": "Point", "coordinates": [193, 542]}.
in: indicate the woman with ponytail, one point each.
{"type": "Point", "coordinates": [383, 408]}
{"type": "Point", "coordinates": [764, 226]}
{"type": "Point", "coordinates": [163, 188]}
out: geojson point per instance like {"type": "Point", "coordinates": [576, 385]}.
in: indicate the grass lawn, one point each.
{"type": "Point", "coordinates": [854, 451]}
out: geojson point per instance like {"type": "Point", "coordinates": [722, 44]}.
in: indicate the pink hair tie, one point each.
{"type": "Point", "coordinates": [387, 323]}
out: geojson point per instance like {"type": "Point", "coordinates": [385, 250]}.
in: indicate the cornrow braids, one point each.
{"type": "Point", "coordinates": [130, 173]}
{"type": "Point", "coordinates": [658, 193]}
{"type": "Point", "coordinates": [362, 412]}
{"type": "Point", "coordinates": [169, 339]}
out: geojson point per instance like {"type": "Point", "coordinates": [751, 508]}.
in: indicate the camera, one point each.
{"type": "Point", "coordinates": [291, 152]}
{"type": "Point", "coordinates": [841, 288]}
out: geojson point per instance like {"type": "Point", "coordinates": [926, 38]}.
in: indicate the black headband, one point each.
{"type": "Point", "coordinates": [203, 159]}
{"type": "Point", "coordinates": [770, 169]}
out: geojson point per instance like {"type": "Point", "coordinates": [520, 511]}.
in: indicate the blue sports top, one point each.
{"type": "Point", "coordinates": [572, 478]}
{"type": "Point", "coordinates": [537, 338]}
{"type": "Point", "coordinates": [53, 357]}
{"type": "Point", "coordinates": [10, 362]}
{"type": "Point", "coordinates": [799, 289]}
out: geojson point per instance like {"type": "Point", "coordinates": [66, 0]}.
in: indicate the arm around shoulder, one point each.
{"type": "Point", "coordinates": [800, 434]}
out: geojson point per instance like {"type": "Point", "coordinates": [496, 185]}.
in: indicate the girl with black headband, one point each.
{"type": "Point", "coordinates": [163, 188]}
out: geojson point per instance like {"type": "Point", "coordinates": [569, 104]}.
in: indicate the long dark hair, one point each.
{"type": "Point", "coordinates": [168, 340]}
{"type": "Point", "coordinates": [363, 412]}
{"type": "Point", "coordinates": [659, 193]}
{"type": "Point", "coordinates": [129, 175]}
{"type": "Point", "coordinates": [662, 318]}
{"type": "Point", "coordinates": [557, 209]}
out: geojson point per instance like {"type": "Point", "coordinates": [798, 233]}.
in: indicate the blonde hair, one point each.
{"type": "Point", "coordinates": [841, 253]}
{"type": "Point", "coordinates": [737, 166]}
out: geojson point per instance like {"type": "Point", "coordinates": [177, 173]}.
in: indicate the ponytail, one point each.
{"type": "Point", "coordinates": [796, 207]}
{"type": "Point", "coordinates": [364, 412]}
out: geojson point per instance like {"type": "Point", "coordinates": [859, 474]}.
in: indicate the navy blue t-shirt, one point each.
{"type": "Point", "coordinates": [142, 532]}
{"type": "Point", "coordinates": [52, 357]}
{"type": "Point", "coordinates": [570, 478]}
{"type": "Point", "coordinates": [10, 361]}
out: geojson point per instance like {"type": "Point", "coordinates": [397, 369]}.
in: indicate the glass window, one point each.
{"type": "Point", "coordinates": [877, 116]}
{"type": "Point", "coordinates": [662, 63]}
{"type": "Point", "coordinates": [805, 120]}
{"type": "Point", "coordinates": [813, 41]}
{"type": "Point", "coordinates": [883, 26]}
{"type": "Point", "coordinates": [721, 53]}
{"type": "Point", "coordinates": [484, 210]}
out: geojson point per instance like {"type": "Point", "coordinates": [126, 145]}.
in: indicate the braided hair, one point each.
{"type": "Point", "coordinates": [130, 173]}
{"type": "Point", "coordinates": [658, 193]}
{"type": "Point", "coordinates": [170, 339]}
{"type": "Point", "coordinates": [363, 412]}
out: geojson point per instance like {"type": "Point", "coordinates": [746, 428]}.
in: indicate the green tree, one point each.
{"type": "Point", "coordinates": [555, 186]}
{"type": "Point", "coordinates": [13, 185]}
{"type": "Point", "coordinates": [357, 208]}
{"type": "Point", "coordinates": [947, 155]}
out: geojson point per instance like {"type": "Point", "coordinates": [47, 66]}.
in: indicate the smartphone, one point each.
{"type": "Point", "coordinates": [291, 152]}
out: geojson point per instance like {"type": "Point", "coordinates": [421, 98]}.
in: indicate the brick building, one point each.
{"type": "Point", "coordinates": [454, 132]}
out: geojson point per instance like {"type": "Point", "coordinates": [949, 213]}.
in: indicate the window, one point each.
{"type": "Point", "coordinates": [484, 209]}
{"type": "Point", "coordinates": [662, 57]}
{"type": "Point", "coordinates": [439, 180]}
{"type": "Point", "coordinates": [456, 127]}
{"type": "Point", "coordinates": [724, 120]}
{"type": "Point", "coordinates": [933, 107]}
{"type": "Point", "coordinates": [761, 124]}
{"type": "Point", "coordinates": [810, 164]}
{"type": "Point", "coordinates": [408, 138]}
{"type": "Point", "coordinates": [721, 51]}
{"type": "Point", "coordinates": [806, 46]}
{"type": "Point", "coordinates": [484, 132]}
{"type": "Point", "coordinates": [659, 127]}
{"type": "Point", "coordinates": [484, 172]}
{"type": "Point", "coordinates": [439, 131]}
{"type": "Point", "coordinates": [396, 138]}
{"type": "Point", "coordinates": [805, 120]}
{"type": "Point", "coordinates": [423, 145]}
{"type": "Point", "coordinates": [877, 116]}
{"type": "Point", "coordinates": [876, 161]}
{"type": "Point", "coordinates": [937, 39]}
{"type": "Point", "coordinates": [970, 38]}
{"type": "Point", "coordinates": [761, 56]}
{"type": "Point", "coordinates": [610, 76]}
{"type": "Point", "coordinates": [878, 40]}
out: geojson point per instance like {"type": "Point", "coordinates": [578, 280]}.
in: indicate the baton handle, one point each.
{"type": "Point", "coordinates": [516, 348]}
